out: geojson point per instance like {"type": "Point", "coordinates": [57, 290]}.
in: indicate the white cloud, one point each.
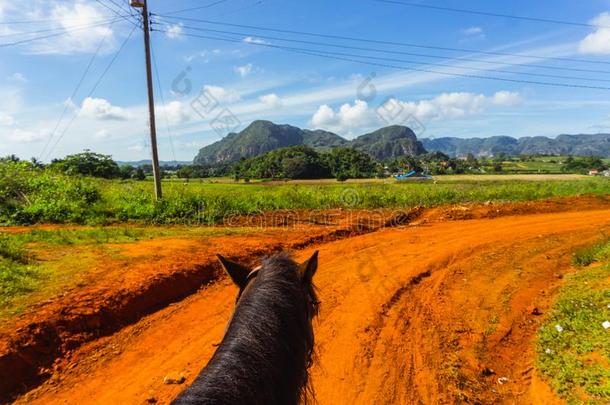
{"type": "Point", "coordinates": [272, 100]}
{"type": "Point", "coordinates": [6, 119]}
{"type": "Point", "coordinates": [25, 136]}
{"type": "Point", "coordinates": [221, 94]}
{"type": "Point", "coordinates": [254, 40]}
{"type": "Point", "coordinates": [445, 106]}
{"type": "Point", "coordinates": [507, 98]}
{"type": "Point", "coordinates": [101, 109]}
{"type": "Point", "coordinates": [598, 42]}
{"type": "Point", "coordinates": [349, 117]}
{"type": "Point", "coordinates": [18, 77]}
{"type": "Point", "coordinates": [174, 31]}
{"type": "Point", "coordinates": [137, 148]}
{"type": "Point", "coordinates": [70, 104]}
{"type": "Point", "coordinates": [176, 112]}
{"type": "Point", "coordinates": [473, 31]}
{"type": "Point", "coordinates": [244, 70]}
{"type": "Point", "coordinates": [76, 18]}
{"type": "Point", "coordinates": [102, 134]}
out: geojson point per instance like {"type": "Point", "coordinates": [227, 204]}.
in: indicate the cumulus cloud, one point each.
{"type": "Point", "coordinates": [271, 100]}
{"type": "Point", "coordinates": [445, 106]}
{"type": "Point", "coordinates": [254, 40]}
{"type": "Point", "coordinates": [221, 94]}
{"type": "Point", "coordinates": [347, 118]}
{"type": "Point", "coordinates": [176, 112]}
{"type": "Point", "coordinates": [174, 31]}
{"type": "Point", "coordinates": [598, 42]}
{"type": "Point", "coordinates": [507, 98]}
{"type": "Point", "coordinates": [73, 17]}
{"type": "Point", "coordinates": [101, 109]}
{"type": "Point", "coordinates": [244, 70]}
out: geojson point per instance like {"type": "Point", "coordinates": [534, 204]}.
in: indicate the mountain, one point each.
{"type": "Point", "coordinates": [322, 140]}
{"type": "Point", "coordinates": [578, 145]}
{"type": "Point", "coordinates": [393, 141]}
{"type": "Point", "coordinates": [264, 136]}
{"type": "Point", "coordinates": [389, 142]}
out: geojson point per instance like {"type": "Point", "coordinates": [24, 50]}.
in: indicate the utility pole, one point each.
{"type": "Point", "coordinates": [151, 98]}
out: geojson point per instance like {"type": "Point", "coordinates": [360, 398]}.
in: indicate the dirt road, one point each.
{"type": "Point", "coordinates": [433, 313]}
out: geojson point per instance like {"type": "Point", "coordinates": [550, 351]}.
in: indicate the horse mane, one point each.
{"type": "Point", "coordinates": [268, 346]}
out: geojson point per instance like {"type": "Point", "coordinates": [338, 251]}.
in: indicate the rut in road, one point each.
{"type": "Point", "coordinates": [415, 315]}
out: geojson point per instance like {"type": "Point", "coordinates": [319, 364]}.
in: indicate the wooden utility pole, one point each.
{"type": "Point", "coordinates": [151, 98]}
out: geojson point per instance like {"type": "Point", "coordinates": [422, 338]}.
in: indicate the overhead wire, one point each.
{"type": "Point", "coordinates": [95, 86]}
{"type": "Point", "coordinates": [167, 126]}
{"type": "Point", "coordinates": [387, 65]}
{"type": "Point", "coordinates": [196, 8]}
{"type": "Point", "coordinates": [384, 42]}
{"type": "Point", "coordinates": [490, 14]}
{"type": "Point", "coordinates": [64, 32]}
{"type": "Point", "coordinates": [416, 54]}
{"type": "Point", "coordinates": [75, 91]}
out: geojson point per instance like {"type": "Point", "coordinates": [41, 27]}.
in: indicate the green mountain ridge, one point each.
{"type": "Point", "coordinates": [264, 136]}
{"type": "Point", "coordinates": [393, 141]}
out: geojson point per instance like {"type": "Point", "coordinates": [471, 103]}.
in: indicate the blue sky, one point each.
{"type": "Point", "coordinates": [212, 86]}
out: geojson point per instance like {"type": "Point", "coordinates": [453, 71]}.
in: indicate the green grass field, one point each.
{"type": "Point", "coordinates": [573, 344]}
{"type": "Point", "coordinates": [208, 203]}
{"type": "Point", "coordinates": [35, 197]}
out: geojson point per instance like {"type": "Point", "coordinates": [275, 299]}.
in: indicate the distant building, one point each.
{"type": "Point", "coordinates": [594, 172]}
{"type": "Point", "coordinates": [606, 173]}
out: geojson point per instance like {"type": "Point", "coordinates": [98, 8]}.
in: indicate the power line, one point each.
{"type": "Point", "coordinates": [48, 20]}
{"type": "Point", "coordinates": [73, 95]}
{"type": "Point", "coordinates": [490, 14]}
{"type": "Point", "coordinates": [196, 8]}
{"type": "Point", "coordinates": [105, 20]}
{"type": "Point", "coordinates": [125, 17]}
{"type": "Point", "coordinates": [415, 69]}
{"type": "Point", "coordinates": [381, 42]}
{"type": "Point", "coordinates": [169, 132]}
{"type": "Point", "coordinates": [342, 46]}
{"type": "Point", "coordinates": [99, 80]}
{"type": "Point", "coordinates": [64, 32]}
{"type": "Point", "coordinates": [237, 10]}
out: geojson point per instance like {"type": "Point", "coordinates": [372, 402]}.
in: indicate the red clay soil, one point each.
{"type": "Point", "coordinates": [435, 313]}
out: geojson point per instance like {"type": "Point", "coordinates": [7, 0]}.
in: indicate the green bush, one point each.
{"type": "Point", "coordinates": [30, 195]}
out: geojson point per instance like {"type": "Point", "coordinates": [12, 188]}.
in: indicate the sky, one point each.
{"type": "Point", "coordinates": [72, 72]}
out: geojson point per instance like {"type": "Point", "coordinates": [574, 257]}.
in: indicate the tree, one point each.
{"type": "Point", "coordinates": [126, 172]}
{"type": "Point", "coordinates": [10, 158]}
{"type": "Point", "coordinates": [350, 163]}
{"type": "Point", "coordinates": [185, 172]}
{"type": "Point", "coordinates": [139, 174]}
{"type": "Point", "coordinates": [88, 163]}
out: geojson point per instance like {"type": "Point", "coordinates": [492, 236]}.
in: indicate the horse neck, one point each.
{"type": "Point", "coordinates": [267, 344]}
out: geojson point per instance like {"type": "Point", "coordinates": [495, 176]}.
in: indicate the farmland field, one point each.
{"type": "Point", "coordinates": [41, 197]}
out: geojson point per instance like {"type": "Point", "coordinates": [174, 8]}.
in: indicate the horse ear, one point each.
{"type": "Point", "coordinates": [237, 272]}
{"type": "Point", "coordinates": [309, 267]}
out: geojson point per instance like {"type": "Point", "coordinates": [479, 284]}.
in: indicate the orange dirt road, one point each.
{"type": "Point", "coordinates": [433, 313]}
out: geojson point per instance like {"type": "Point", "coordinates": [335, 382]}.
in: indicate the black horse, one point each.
{"type": "Point", "coordinates": [268, 346]}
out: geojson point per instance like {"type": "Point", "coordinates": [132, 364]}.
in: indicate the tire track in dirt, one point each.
{"type": "Point", "coordinates": [415, 315]}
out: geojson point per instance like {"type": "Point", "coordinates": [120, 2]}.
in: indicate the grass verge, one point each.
{"type": "Point", "coordinates": [573, 344]}
{"type": "Point", "coordinates": [39, 263]}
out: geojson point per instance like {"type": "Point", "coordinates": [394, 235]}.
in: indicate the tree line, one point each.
{"type": "Point", "coordinates": [301, 162]}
